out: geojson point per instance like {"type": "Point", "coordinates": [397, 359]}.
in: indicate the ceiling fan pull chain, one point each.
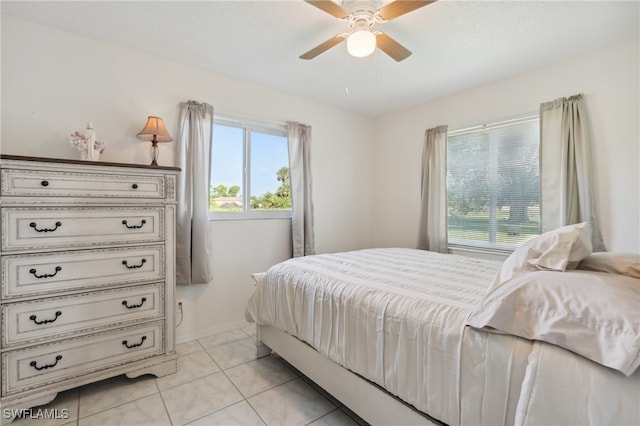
{"type": "Point", "coordinates": [375, 66]}
{"type": "Point", "coordinates": [346, 73]}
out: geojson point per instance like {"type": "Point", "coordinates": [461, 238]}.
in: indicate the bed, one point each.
{"type": "Point", "coordinates": [404, 336]}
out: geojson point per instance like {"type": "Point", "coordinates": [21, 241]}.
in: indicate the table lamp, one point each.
{"type": "Point", "coordinates": [155, 131]}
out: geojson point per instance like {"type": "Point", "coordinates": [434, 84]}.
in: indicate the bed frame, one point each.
{"type": "Point", "coordinates": [368, 400]}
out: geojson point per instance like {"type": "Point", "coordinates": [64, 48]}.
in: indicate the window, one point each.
{"type": "Point", "coordinates": [493, 184]}
{"type": "Point", "coordinates": [249, 171]}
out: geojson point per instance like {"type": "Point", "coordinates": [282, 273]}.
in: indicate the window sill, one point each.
{"type": "Point", "coordinates": [250, 216]}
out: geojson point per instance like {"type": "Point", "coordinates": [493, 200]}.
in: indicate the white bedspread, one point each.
{"type": "Point", "coordinates": [396, 316]}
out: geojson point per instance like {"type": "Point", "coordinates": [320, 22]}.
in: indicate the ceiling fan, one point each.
{"type": "Point", "coordinates": [361, 39]}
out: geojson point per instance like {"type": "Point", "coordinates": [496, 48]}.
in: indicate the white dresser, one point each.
{"type": "Point", "coordinates": [87, 264]}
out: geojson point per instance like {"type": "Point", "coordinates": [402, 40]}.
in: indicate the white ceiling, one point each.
{"type": "Point", "coordinates": [456, 45]}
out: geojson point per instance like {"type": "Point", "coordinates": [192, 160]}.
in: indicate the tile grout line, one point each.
{"type": "Point", "coordinates": [78, 409]}
{"type": "Point", "coordinates": [164, 404]}
{"type": "Point", "coordinates": [220, 370]}
{"type": "Point", "coordinates": [244, 397]}
{"type": "Point", "coordinates": [322, 416]}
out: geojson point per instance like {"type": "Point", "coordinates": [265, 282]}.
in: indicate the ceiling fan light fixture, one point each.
{"type": "Point", "coordinates": [361, 43]}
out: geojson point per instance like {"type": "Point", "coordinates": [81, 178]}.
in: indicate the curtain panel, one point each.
{"type": "Point", "coordinates": [302, 237]}
{"type": "Point", "coordinates": [432, 231]}
{"type": "Point", "coordinates": [567, 194]}
{"type": "Point", "coordinates": [192, 227]}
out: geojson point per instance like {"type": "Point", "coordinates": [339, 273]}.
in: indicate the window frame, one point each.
{"type": "Point", "coordinates": [481, 247]}
{"type": "Point", "coordinates": [248, 126]}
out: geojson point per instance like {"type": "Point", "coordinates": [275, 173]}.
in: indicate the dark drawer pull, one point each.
{"type": "Point", "coordinates": [124, 222]}
{"type": "Point", "coordinates": [35, 364]}
{"type": "Point", "coordinates": [35, 226]}
{"type": "Point", "coordinates": [134, 186]}
{"type": "Point", "coordinates": [44, 183]}
{"type": "Point", "coordinates": [47, 321]}
{"type": "Point", "coordinates": [142, 262]}
{"type": "Point", "coordinates": [134, 345]}
{"type": "Point", "coordinates": [35, 273]}
{"type": "Point", "coordinates": [125, 304]}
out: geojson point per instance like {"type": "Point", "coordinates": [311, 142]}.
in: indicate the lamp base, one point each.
{"type": "Point", "coordinates": [155, 153]}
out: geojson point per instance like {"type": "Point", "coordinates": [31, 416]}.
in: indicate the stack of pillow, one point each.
{"type": "Point", "coordinates": [553, 289]}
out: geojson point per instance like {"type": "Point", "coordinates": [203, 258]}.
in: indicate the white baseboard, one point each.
{"type": "Point", "coordinates": [203, 332]}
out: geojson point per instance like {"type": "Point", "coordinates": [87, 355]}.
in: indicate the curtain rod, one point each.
{"type": "Point", "coordinates": [532, 116]}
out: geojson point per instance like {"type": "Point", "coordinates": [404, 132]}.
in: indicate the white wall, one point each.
{"type": "Point", "coordinates": [609, 80]}
{"type": "Point", "coordinates": [53, 82]}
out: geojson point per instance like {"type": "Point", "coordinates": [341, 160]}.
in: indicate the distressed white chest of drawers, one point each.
{"type": "Point", "coordinates": [87, 268]}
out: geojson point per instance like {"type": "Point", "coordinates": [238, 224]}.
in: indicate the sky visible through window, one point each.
{"type": "Point", "coordinates": [268, 155]}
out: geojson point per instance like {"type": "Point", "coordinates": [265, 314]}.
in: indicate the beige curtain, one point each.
{"type": "Point", "coordinates": [300, 174]}
{"type": "Point", "coordinates": [432, 232]}
{"type": "Point", "coordinates": [192, 228]}
{"type": "Point", "coordinates": [566, 189]}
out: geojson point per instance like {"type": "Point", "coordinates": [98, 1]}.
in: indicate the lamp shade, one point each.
{"type": "Point", "coordinates": [155, 131]}
{"type": "Point", "coordinates": [361, 43]}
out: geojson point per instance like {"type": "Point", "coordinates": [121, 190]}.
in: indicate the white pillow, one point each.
{"type": "Point", "coordinates": [556, 250]}
{"type": "Point", "coordinates": [615, 263]}
{"type": "Point", "coordinates": [593, 314]}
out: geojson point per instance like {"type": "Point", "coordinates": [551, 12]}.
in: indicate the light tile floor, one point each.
{"type": "Point", "coordinates": [219, 382]}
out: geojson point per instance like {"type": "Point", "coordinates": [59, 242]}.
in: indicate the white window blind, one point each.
{"type": "Point", "coordinates": [493, 184]}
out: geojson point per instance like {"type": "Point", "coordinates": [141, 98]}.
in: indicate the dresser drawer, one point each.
{"type": "Point", "coordinates": [24, 369]}
{"type": "Point", "coordinates": [46, 183]}
{"type": "Point", "coordinates": [58, 316]}
{"type": "Point", "coordinates": [47, 228]}
{"type": "Point", "coordinates": [50, 273]}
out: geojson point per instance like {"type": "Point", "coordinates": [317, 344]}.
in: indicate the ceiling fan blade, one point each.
{"type": "Point", "coordinates": [392, 47]}
{"type": "Point", "coordinates": [322, 47]}
{"type": "Point", "coordinates": [330, 7]}
{"type": "Point", "coordinates": [400, 7]}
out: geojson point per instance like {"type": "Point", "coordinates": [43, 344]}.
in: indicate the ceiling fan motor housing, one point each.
{"type": "Point", "coordinates": [362, 14]}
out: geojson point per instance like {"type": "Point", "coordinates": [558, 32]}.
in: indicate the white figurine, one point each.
{"type": "Point", "coordinates": [93, 151]}
{"type": "Point", "coordinates": [89, 146]}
